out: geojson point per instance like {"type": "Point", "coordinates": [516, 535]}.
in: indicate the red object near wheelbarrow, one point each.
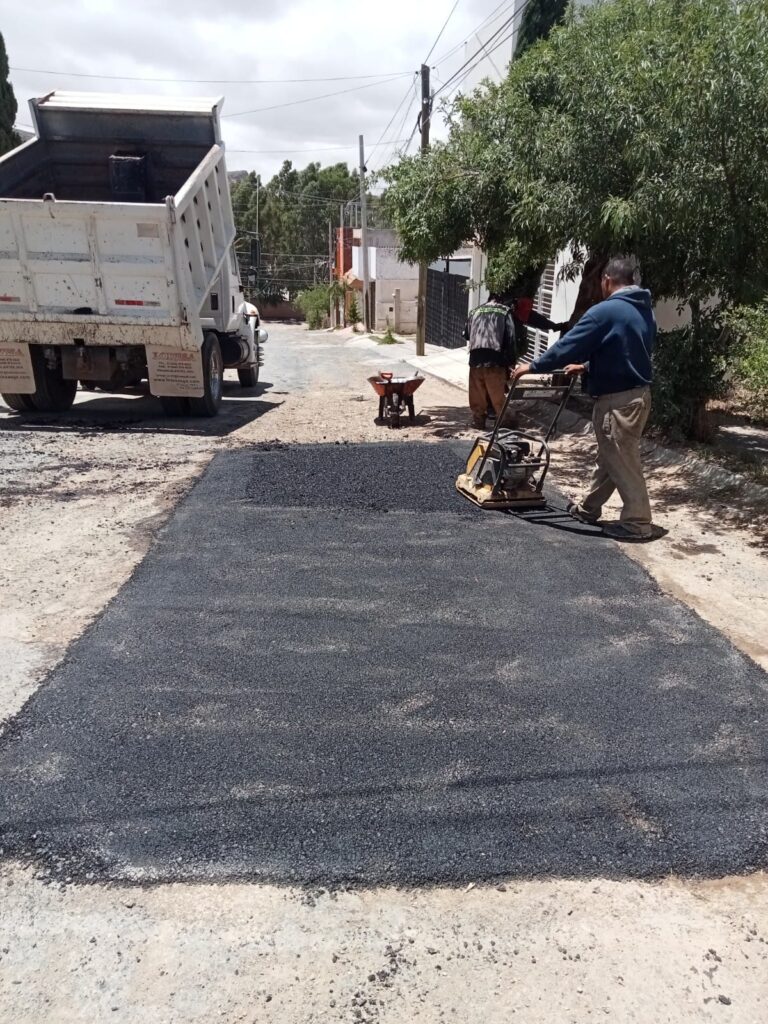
{"type": "Point", "coordinates": [395, 396]}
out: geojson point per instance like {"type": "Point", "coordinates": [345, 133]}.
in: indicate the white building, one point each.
{"type": "Point", "coordinates": [394, 285]}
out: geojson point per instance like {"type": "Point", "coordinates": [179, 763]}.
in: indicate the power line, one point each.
{"type": "Point", "coordinates": [319, 149]}
{"type": "Point", "coordinates": [496, 12]}
{"type": "Point", "coordinates": [440, 33]}
{"type": "Point", "coordinates": [208, 81]}
{"type": "Point", "coordinates": [313, 99]}
{"type": "Point", "coordinates": [408, 92]}
{"type": "Point", "coordinates": [486, 47]}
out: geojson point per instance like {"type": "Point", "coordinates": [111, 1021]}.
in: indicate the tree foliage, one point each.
{"type": "Point", "coordinates": [294, 209]}
{"type": "Point", "coordinates": [8, 105]}
{"type": "Point", "coordinates": [292, 212]}
{"type": "Point", "coordinates": [637, 126]}
{"type": "Point", "coordinates": [539, 18]}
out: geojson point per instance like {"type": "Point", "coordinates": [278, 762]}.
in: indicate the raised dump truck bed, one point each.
{"type": "Point", "coordinates": [116, 255]}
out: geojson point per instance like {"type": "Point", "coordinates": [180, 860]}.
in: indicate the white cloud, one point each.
{"type": "Point", "coordinates": [248, 39]}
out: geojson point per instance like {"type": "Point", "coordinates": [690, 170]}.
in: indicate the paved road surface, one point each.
{"type": "Point", "coordinates": [330, 668]}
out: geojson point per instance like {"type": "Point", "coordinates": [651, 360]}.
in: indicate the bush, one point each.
{"type": "Point", "coordinates": [354, 312]}
{"type": "Point", "coordinates": [314, 305]}
{"type": "Point", "coordinates": [689, 368]}
{"type": "Point", "coordinates": [750, 367]}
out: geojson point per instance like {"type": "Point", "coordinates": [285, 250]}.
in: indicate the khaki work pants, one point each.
{"type": "Point", "coordinates": [619, 420]}
{"type": "Point", "coordinates": [486, 384]}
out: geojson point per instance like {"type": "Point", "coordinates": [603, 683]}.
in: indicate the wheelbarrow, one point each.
{"type": "Point", "coordinates": [395, 395]}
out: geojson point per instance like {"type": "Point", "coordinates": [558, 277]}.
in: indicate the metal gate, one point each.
{"type": "Point", "coordinates": [538, 341]}
{"type": "Point", "coordinates": [447, 309]}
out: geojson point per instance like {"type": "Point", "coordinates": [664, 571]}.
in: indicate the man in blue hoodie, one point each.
{"type": "Point", "coordinates": [613, 343]}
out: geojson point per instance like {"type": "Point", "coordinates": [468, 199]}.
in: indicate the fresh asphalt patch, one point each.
{"type": "Point", "coordinates": [331, 669]}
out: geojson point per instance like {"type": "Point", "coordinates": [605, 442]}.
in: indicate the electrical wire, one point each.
{"type": "Point", "coordinates": [207, 81]}
{"type": "Point", "coordinates": [313, 99]}
{"type": "Point", "coordinates": [320, 149]}
{"type": "Point", "coordinates": [486, 49]}
{"type": "Point", "coordinates": [440, 33]}
{"type": "Point", "coordinates": [411, 86]}
{"type": "Point", "coordinates": [384, 155]}
{"type": "Point", "coordinates": [495, 13]}
{"type": "Point", "coordinates": [407, 93]}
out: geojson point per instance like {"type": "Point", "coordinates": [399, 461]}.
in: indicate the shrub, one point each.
{"type": "Point", "coordinates": [750, 366]}
{"type": "Point", "coordinates": [314, 305]}
{"type": "Point", "coordinates": [690, 366]}
{"type": "Point", "coordinates": [354, 312]}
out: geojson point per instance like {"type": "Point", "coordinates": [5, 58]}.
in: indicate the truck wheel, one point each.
{"type": "Point", "coordinates": [19, 403]}
{"type": "Point", "coordinates": [175, 406]}
{"type": "Point", "coordinates": [249, 377]}
{"type": "Point", "coordinates": [213, 376]}
{"type": "Point", "coordinates": [53, 393]}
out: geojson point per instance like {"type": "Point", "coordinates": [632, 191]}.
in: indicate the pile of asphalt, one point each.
{"type": "Point", "coordinates": [330, 669]}
{"type": "Point", "coordinates": [360, 477]}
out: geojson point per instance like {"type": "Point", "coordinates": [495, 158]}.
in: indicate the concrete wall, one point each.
{"type": "Point", "coordinates": [400, 316]}
{"type": "Point", "coordinates": [392, 277]}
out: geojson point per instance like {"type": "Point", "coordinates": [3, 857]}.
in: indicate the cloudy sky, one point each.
{"type": "Point", "coordinates": [247, 49]}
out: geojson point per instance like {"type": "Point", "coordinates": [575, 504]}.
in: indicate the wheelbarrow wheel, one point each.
{"type": "Point", "coordinates": [394, 419]}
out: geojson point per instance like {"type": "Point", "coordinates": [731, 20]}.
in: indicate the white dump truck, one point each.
{"type": "Point", "coordinates": [117, 257]}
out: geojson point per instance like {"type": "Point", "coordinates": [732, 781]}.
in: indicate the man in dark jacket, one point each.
{"type": "Point", "coordinates": [495, 344]}
{"type": "Point", "coordinates": [613, 341]}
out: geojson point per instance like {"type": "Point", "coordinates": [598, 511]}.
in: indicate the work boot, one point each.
{"type": "Point", "coordinates": [577, 512]}
{"type": "Point", "coordinates": [478, 422]}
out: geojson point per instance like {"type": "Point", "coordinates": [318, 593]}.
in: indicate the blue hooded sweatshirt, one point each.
{"type": "Point", "coordinates": [615, 337]}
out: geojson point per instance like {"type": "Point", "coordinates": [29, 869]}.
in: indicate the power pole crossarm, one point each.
{"type": "Point", "coordinates": [421, 303]}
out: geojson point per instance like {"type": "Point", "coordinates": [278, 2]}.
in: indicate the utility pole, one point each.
{"type": "Point", "coordinates": [258, 186]}
{"type": "Point", "coordinates": [341, 248]}
{"type": "Point", "coordinates": [364, 239]}
{"type": "Point", "coordinates": [424, 119]}
{"type": "Point", "coordinates": [330, 271]}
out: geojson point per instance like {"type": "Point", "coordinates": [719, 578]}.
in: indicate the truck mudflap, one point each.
{"type": "Point", "coordinates": [16, 373]}
{"type": "Point", "coordinates": [174, 373]}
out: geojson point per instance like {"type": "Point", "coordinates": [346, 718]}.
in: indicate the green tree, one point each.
{"type": "Point", "coordinates": [292, 212]}
{"type": "Point", "coordinates": [538, 20]}
{"type": "Point", "coordinates": [634, 127]}
{"type": "Point", "coordinates": [8, 105]}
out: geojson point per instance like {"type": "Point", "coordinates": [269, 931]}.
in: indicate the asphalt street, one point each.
{"type": "Point", "coordinates": [331, 669]}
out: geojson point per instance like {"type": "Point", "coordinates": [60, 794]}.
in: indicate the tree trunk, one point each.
{"type": "Point", "coordinates": [701, 424]}
{"type": "Point", "coordinates": [590, 291]}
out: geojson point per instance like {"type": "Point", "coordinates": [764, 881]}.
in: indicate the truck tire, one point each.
{"type": "Point", "coordinates": [53, 393]}
{"type": "Point", "coordinates": [213, 377]}
{"type": "Point", "coordinates": [19, 403]}
{"type": "Point", "coordinates": [249, 376]}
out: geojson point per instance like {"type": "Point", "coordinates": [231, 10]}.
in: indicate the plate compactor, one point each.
{"type": "Point", "coordinates": [506, 469]}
